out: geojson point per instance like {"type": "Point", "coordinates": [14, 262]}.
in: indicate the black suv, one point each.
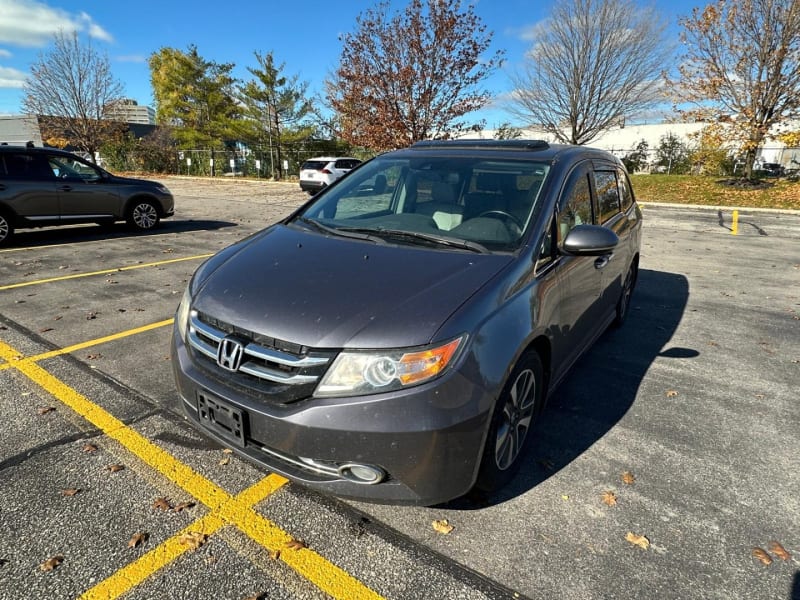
{"type": "Point", "coordinates": [45, 186]}
{"type": "Point", "coordinates": [396, 338]}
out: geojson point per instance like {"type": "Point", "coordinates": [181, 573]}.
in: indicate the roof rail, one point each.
{"type": "Point", "coordinates": [484, 144]}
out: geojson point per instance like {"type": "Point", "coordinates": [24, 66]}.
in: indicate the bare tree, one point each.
{"type": "Point", "coordinates": [593, 64]}
{"type": "Point", "coordinates": [411, 76]}
{"type": "Point", "coordinates": [742, 66]}
{"type": "Point", "coordinates": [71, 89]}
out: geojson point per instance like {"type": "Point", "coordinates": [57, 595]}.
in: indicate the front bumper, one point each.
{"type": "Point", "coordinates": [428, 439]}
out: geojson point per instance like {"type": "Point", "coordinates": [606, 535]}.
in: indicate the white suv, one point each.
{"type": "Point", "coordinates": [320, 172]}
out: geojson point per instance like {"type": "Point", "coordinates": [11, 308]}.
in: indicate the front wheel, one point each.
{"type": "Point", "coordinates": [142, 215]}
{"type": "Point", "coordinates": [514, 415]}
{"type": "Point", "coordinates": [6, 229]}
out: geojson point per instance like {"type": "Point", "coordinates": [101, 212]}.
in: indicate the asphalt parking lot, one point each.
{"type": "Point", "coordinates": [666, 466]}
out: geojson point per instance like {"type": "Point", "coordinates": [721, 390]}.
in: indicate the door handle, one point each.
{"type": "Point", "coordinates": [65, 188]}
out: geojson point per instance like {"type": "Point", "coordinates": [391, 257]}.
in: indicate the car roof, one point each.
{"type": "Point", "coordinates": [533, 149]}
{"type": "Point", "coordinates": [330, 158]}
{"type": "Point", "coordinates": [33, 149]}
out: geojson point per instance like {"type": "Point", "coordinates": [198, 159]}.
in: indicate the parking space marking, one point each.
{"type": "Point", "coordinates": [237, 511]}
{"type": "Point", "coordinates": [103, 272]}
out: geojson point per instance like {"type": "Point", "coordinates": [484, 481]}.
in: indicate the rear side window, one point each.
{"type": "Point", "coordinates": [19, 165]}
{"type": "Point", "coordinates": [625, 193]}
{"type": "Point", "coordinates": [607, 194]}
{"type": "Point", "coordinates": [347, 163]}
{"type": "Point", "coordinates": [313, 165]}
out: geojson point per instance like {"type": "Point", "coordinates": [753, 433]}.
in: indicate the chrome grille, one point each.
{"type": "Point", "coordinates": [259, 361]}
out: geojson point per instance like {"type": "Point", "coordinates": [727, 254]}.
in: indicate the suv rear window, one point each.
{"type": "Point", "coordinates": [313, 165]}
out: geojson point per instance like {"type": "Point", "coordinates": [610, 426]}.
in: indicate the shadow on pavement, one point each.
{"type": "Point", "coordinates": [73, 234]}
{"type": "Point", "coordinates": [601, 387]}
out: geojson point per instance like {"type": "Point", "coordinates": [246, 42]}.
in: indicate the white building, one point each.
{"type": "Point", "coordinates": [129, 111]}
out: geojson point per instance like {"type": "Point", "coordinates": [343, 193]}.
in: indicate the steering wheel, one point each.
{"type": "Point", "coordinates": [505, 217]}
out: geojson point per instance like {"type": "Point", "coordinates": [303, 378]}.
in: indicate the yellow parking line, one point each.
{"type": "Point", "coordinates": [103, 272]}
{"type": "Point", "coordinates": [136, 572]}
{"type": "Point", "coordinates": [98, 341]}
{"type": "Point", "coordinates": [316, 569]}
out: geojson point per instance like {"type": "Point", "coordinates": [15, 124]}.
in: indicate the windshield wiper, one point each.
{"type": "Point", "coordinates": [439, 240]}
{"type": "Point", "coordinates": [348, 233]}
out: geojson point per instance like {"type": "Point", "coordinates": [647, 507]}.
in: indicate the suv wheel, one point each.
{"type": "Point", "coordinates": [6, 229]}
{"type": "Point", "coordinates": [142, 215]}
{"type": "Point", "coordinates": [514, 414]}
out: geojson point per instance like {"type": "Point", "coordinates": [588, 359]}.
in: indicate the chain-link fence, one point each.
{"type": "Point", "coordinates": [275, 163]}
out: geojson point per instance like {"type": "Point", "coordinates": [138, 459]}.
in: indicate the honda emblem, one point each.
{"type": "Point", "coordinates": [229, 354]}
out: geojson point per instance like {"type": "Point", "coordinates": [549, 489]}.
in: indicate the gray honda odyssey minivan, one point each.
{"type": "Point", "coordinates": [395, 338]}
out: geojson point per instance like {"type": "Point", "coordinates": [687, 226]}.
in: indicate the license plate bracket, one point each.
{"type": "Point", "coordinates": [222, 418]}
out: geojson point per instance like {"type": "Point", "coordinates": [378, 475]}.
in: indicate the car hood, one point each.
{"type": "Point", "coordinates": [133, 181]}
{"type": "Point", "coordinates": [331, 292]}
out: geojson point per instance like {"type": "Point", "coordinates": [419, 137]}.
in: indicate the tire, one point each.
{"type": "Point", "coordinates": [142, 215]}
{"type": "Point", "coordinates": [6, 229]}
{"type": "Point", "coordinates": [514, 414]}
{"type": "Point", "coordinates": [624, 302]}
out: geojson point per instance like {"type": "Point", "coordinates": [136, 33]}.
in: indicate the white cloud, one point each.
{"type": "Point", "coordinates": [5, 53]}
{"type": "Point", "coordinates": [31, 23]}
{"type": "Point", "coordinates": [11, 78]}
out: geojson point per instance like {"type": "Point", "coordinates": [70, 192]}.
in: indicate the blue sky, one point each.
{"type": "Point", "coordinates": [305, 36]}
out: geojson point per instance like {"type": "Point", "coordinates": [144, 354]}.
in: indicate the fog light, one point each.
{"type": "Point", "coordinates": [366, 474]}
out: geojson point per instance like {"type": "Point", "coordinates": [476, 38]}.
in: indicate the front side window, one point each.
{"type": "Point", "coordinates": [73, 169]}
{"type": "Point", "coordinates": [463, 202]}
{"type": "Point", "coordinates": [575, 207]}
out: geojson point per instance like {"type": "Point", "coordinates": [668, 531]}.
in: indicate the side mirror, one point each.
{"type": "Point", "coordinates": [590, 240]}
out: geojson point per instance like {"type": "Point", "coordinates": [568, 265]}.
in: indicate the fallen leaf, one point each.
{"type": "Point", "coordinates": [51, 563]}
{"type": "Point", "coordinates": [115, 468]}
{"type": "Point", "coordinates": [262, 596]}
{"type": "Point", "coordinates": [778, 550]}
{"type": "Point", "coordinates": [45, 409]}
{"type": "Point", "coordinates": [671, 393]}
{"type": "Point", "coordinates": [93, 356]}
{"type": "Point", "coordinates": [91, 315]}
{"type": "Point", "coordinates": [162, 504]}
{"type": "Point", "coordinates": [609, 498]}
{"type": "Point", "coordinates": [90, 448]}
{"type": "Point", "coordinates": [57, 318]}
{"type": "Point", "coordinates": [137, 540]}
{"type": "Point", "coordinates": [193, 539]}
{"type": "Point", "coordinates": [70, 492]}
{"type": "Point", "coordinates": [274, 554]}
{"type": "Point", "coordinates": [762, 556]}
{"type": "Point", "coordinates": [638, 540]}
{"type": "Point", "coordinates": [294, 544]}
{"type": "Point", "coordinates": [225, 461]}
{"type": "Point", "coordinates": [442, 526]}
{"type": "Point", "coordinates": [564, 497]}
{"type": "Point", "coordinates": [45, 329]}
{"type": "Point", "coordinates": [628, 478]}
{"type": "Point", "coordinates": [227, 451]}
{"type": "Point", "coordinates": [183, 506]}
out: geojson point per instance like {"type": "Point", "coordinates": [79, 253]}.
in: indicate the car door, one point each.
{"type": "Point", "coordinates": [580, 277]}
{"type": "Point", "coordinates": [84, 193]}
{"type": "Point", "coordinates": [617, 212]}
{"type": "Point", "coordinates": [28, 186]}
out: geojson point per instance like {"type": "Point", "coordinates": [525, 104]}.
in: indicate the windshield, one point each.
{"type": "Point", "coordinates": [477, 203]}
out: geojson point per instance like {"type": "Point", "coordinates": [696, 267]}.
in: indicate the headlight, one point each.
{"type": "Point", "coordinates": [182, 314]}
{"type": "Point", "coordinates": [357, 373]}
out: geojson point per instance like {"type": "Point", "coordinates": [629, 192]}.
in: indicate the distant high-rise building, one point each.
{"type": "Point", "coordinates": [130, 111]}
